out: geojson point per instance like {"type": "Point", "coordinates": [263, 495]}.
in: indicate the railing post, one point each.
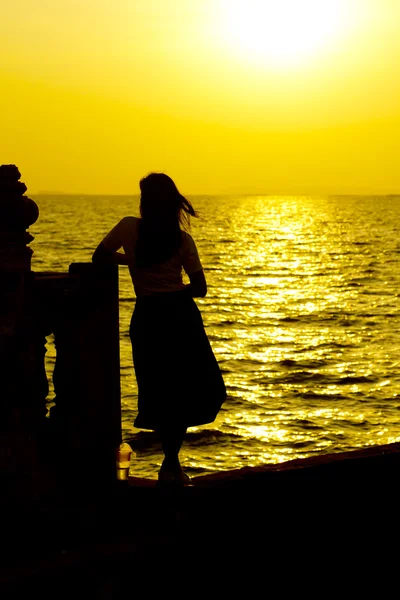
{"type": "Point", "coordinates": [22, 380]}
{"type": "Point", "coordinates": [87, 372]}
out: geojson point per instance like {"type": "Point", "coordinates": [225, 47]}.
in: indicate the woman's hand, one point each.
{"type": "Point", "coordinates": [198, 285]}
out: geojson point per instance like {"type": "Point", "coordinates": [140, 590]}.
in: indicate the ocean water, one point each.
{"type": "Point", "coordinates": [302, 312]}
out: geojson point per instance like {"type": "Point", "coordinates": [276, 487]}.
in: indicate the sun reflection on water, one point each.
{"type": "Point", "coordinates": [302, 313]}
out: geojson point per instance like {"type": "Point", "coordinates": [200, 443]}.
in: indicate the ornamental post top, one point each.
{"type": "Point", "coordinates": [17, 213]}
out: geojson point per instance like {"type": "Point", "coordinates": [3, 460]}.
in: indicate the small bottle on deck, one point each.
{"type": "Point", "coordinates": [123, 461]}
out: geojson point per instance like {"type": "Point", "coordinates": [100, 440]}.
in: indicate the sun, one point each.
{"type": "Point", "coordinates": [282, 32]}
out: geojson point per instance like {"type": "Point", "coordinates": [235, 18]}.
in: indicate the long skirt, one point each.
{"type": "Point", "coordinates": [179, 380]}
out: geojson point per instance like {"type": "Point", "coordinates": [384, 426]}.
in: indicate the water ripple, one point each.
{"type": "Point", "coordinates": [302, 313]}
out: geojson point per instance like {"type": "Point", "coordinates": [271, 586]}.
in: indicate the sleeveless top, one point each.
{"type": "Point", "coordinates": [163, 277]}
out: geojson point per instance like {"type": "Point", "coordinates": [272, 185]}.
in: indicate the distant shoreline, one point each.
{"type": "Point", "coordinates": [230, 195]}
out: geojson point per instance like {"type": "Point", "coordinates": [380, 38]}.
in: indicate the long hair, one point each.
{"type": "Point", "coordinates": [164, 211]}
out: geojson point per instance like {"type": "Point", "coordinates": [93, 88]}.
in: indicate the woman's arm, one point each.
{"type": "Point", "coordinates": [192, 265]}
{"type": "Point", "coordinates": [198, 285]}
{"type": "Point", "coordinates": [106, 251]}
{"type": "Point", "coordinates": [104, 256]}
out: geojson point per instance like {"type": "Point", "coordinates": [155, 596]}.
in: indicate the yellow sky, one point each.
{"type": "Point", "coordinates": [96, 94]}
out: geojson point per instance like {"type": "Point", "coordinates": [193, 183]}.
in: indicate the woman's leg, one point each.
{"type": "Point", "coordinates": [171, 442]}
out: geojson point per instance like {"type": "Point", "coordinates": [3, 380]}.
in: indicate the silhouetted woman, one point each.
{"type": "Point", "coordinates": [180, 384]}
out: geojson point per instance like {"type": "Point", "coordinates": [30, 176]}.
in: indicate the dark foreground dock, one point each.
{"type": "Point", "coordinates": [339, 511]}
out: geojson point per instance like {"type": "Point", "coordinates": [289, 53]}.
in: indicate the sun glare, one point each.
{"type": "Point", "coordinates": [282, 32]}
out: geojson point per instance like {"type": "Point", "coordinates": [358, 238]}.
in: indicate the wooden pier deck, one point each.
{"type": "Point", "coordinates": [332, 506]}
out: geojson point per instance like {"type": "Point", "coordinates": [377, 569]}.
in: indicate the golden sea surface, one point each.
{"type": "Point", "coordinates": [302, 312]}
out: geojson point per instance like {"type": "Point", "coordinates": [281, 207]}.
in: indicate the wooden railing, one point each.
{"type": "Point", "coordinates": [84, 427]}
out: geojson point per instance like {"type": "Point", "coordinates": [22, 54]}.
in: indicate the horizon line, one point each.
{"type": "Point", "coordinates": [210, 194]}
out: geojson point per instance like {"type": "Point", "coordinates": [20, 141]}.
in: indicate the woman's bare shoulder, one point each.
{"type": "Point", "coordinates": [129, 222]}
{"type": "Point", "coordinates": [186, 237]}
